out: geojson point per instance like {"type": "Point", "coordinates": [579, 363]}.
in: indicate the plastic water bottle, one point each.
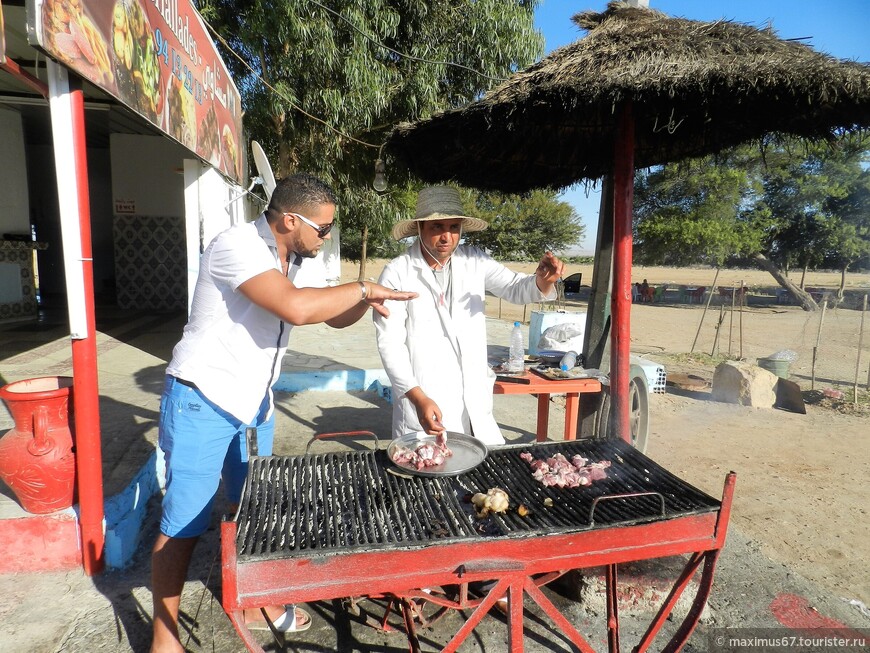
{"type": "Point", "coordinates": [569, 361]}
{"type": "Point", "coordinates": [517, 350]}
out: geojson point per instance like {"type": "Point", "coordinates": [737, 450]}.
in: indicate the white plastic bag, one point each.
{"type": "Point", "coordinates": [784, 355]}
{"type": "Point", "coordinates": [567, 336]}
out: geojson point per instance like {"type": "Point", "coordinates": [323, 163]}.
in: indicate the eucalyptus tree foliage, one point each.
{"type": "Point", "coordinates": [814, 195]}
{"type": "Point", "coordinates": [851, 232]}
{"type": "Point", "coordinates": [692, 212]}
{"type": "Point", "coordinates": [791, 204]}
{"type": "Point", "coordinates": [522, 228]}
{"type": "Point", "coordinates": [337, 61]}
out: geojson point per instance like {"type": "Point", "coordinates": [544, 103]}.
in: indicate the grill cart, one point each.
{"type": "Point", "coordinates": [326, 526]}
{"type": "Point", "coordinates": [641, 89]}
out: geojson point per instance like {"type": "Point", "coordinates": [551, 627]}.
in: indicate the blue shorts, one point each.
{"type": "Point", "coordinates": [202, 444]}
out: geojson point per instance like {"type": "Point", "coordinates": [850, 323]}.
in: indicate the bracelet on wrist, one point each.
{"type": "Point", "coordinates": [364, 291]}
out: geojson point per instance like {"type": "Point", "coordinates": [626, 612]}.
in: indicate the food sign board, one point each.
{"type": "Point", "coordinates": [154, 56]}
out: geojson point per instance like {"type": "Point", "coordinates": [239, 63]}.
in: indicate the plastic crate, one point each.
{"type": "Point", "coordinates": [656, 376]}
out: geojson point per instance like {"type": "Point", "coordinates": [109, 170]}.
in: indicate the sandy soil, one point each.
{"type": "Point", "coordinates": [801, 479]}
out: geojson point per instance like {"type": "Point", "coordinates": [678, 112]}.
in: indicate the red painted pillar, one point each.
{"type": "Point", "coordinates": [623, 194]}
{"type": "Point", "coordinates": [86, 394]}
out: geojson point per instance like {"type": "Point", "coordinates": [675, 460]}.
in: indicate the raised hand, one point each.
{"type": "Point", "coordinates": [549, 270]}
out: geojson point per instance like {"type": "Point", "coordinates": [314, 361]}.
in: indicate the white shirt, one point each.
{"type": "Point", "coordinates": [231, 348]}
{"type": "Point", "coordinates": [438, 342]}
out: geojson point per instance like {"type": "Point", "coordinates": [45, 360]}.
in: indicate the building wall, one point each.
{"type": "Point", "coordinates": [17, 286]}
{"type": "Point", "coordinates": [148, 224]}
{"type": "Point", "coordinates": [14, 206]}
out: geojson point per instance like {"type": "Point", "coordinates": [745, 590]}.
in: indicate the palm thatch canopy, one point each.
{"type": "Point", "coordinates": [695, 88]}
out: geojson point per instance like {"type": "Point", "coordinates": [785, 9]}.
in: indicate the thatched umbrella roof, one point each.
{"type": "Point", "coordinates": [696, 88]}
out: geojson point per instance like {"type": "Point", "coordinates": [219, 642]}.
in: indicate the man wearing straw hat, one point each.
{"type": "Point", "coordinates": [434, 347]}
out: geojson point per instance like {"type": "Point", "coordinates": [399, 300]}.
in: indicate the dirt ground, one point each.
{"type": "Point", "coordinates": [801, 479]}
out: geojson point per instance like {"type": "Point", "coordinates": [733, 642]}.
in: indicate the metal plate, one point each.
{"type": "Point", "coordinates": [468, 453]}
{"type": "Point", "coordinates": [551, 356]}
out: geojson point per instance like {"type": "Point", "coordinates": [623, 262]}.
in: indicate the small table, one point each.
{"type": "Point", "coordinates": [530, 383]}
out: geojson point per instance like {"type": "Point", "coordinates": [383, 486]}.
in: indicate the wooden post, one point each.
{"type": "Point", "coordinates": [718, 329]}
{"type": "Point", "coordinates": [860, 344]}
{"type": "Point", "coordinates": [741, 324]}
{"type": "Point", "coordinates": [620, 300]}
{"type": "Point", "coordinates": [818, 340]}
{"type": "Point", "coordinates": [706, 306]}
{"type": "Point", "coordinates": [731, 327]}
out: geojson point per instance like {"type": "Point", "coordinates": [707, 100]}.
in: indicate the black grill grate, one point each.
{"type": "Point", "coordinates": [348, 501]}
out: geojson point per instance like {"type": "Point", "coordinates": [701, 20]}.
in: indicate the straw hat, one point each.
{"type": "Point", "coordinates": [437, 203]}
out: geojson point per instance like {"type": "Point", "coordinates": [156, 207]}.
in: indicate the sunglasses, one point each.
{"type": "Point", "coordinates": [321, 230]}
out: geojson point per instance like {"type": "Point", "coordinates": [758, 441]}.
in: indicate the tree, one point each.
{"type": "Point", "coordinates": [341, 73]}
{"type": "Point", "coordinates": [791, 203]}
{"type": "Point", "coordinates": [805, 185]}
{"type": "Point", "coordinates": [690, 212]}
{"type": "Point", "coordinates": [850, 228]}
{"type": "Point", "coordinates": [522, 228]}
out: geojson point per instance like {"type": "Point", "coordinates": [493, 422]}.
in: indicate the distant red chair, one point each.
{"type": "Point", "coordinates": [650, 292]}
{"type": "Point", "coordinates": [739, 294]}
{"type": "Point", "coordinates": [698, 294]}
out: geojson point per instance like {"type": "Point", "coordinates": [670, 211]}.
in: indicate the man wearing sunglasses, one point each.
{"type": "Point", "coordinates": [219, 381]}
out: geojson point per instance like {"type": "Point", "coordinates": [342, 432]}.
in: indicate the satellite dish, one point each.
{"type": "Point", "coordinates": [330, 252]}
{"type": "Point", "coordinates": [263, 169]}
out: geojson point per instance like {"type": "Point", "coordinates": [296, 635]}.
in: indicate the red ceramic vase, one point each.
{"type": "Point", "coordinates": [37, 456]}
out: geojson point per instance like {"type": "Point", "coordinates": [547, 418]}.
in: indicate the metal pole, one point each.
{"type": "Point", "coordinates": [816, 348]}
{"type": "Point", "coordinates": [860, 344]}
{"type": "Point", "coordinates": [623, 195]}
{"type": "Point", "coordinates": [68, 131]}
{"type": "Point", "coordinates": [706, 306]}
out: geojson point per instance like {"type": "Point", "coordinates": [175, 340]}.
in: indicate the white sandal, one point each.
{"type": "Point", "coordinates": [287, 622]}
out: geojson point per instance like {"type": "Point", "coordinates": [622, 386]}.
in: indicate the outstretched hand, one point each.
{"type": "Point", "coordinates": [377, 294]}
{"type": "Point", "coordinates": [549, 271]}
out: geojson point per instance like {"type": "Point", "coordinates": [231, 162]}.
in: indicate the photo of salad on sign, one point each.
{"type": "Point", "coordinates": [136, 65]}
{"type": "Point", "coordinates": [156, 58]}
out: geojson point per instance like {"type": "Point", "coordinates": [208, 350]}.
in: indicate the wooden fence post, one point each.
{"type": "Point", "coordinates": [858, 357]}
{"type": "Point", "coordinates": [818, 341]}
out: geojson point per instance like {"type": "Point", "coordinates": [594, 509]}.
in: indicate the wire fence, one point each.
{"type": "Point", "coordinates": [827, 351]}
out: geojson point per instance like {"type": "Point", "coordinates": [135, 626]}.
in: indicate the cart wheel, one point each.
{"type": "Point", "coordinates": [638, 411]}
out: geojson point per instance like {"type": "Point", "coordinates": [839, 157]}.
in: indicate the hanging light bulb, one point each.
{"type": "Point", "coordinates": [380, 182]}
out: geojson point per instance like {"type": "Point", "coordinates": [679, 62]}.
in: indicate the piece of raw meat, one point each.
{"type": "Point", "coordinates": [426, 454]}
{"type": "Point", "coordinates": [558, 471]}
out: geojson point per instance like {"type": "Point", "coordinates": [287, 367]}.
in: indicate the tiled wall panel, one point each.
{"type": "Point", "coordinates": [150, 262]}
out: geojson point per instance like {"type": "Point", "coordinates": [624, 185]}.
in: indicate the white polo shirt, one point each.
{"type": "Point", "coordinates": [231, 348]}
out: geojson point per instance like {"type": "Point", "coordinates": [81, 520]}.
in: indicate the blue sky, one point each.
{"type": "Point", "coordinates": [840, 28]}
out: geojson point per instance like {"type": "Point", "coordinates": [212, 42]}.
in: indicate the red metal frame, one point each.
{"type": "Point", "coordinates": [518, 565]}
{"type": "Point", "coordinates": [12, 67]}
{"type": "Point", "coordinates": [86, 394]}
{"type": "Point", "coordinates": [544, 387]}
